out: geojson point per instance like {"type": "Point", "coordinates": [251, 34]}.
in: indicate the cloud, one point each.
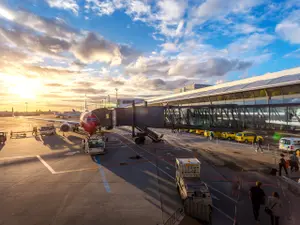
{"type": "Point", "coordinates": [128, 53]}
{"type": "Point", "coordinates": [78, 64]}
{"type": "Point", "coordinates": [94, 48]}
{"type": "Point", "coordinates": [101, 7]}
{"type": "Point", "coordinates": [289, 28]}
{"type": "Point", "coordinates": [141, 84]}
{"type": "Point", "coordinates": [54, 85]}
{"type": "Point", "coordinates": [148, 65]}
{"type": "Point", "coordinates": [72, 100]}
{"type": "Point", "coordinates": [52, 95]}
{"type": "Point", "coordinates": [138, 10]}
{"type": "Point", "coordinates": [250, 43]}
{"type": "Point", "coordinates": [293, 54]}
{"type": "Point", "coordinates": [64, 4]}
{"type": "Point", "coordinates": [52, 27]}
{"type": "Point", "coordinates": [156, 84]}
{"type": "Point", "coordinates": [171, 11]}
{"type": "Point", "coordinates": [165, 16]}
{"type": "Point", "coordinates": [98, 98]}
{"type": "Point", "coordinates": [212, 10]}
{"type": "Point", "coordinates": [85, 84]}
{"type": "Point", "coordinates": [160, 84]}
{"type": "Point", "coordinates": [51, 71]}
{"type": "Point", "coordinates": [88, 90]}
{"type": "Point", "coordinates": [169, 47]}
{"type": "Point", "coordinates": [34, 42]}
{"type": "Point", "coordinates": [244, 28]}
{"type": "Point", "coordinates": [211, 67]}
{"type": "Point", "coordinates": [261, 58]}
{"type": "Point", "coordinates": [11, 55]}
{"type": "Point", "coordinates": [115, 83]}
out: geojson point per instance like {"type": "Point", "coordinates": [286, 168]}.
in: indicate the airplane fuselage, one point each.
{"type": "Point", "coordinates": [88, 121]}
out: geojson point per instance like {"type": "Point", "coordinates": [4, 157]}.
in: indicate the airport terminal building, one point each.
{"type": "Point", "coordinates": [271, 88]}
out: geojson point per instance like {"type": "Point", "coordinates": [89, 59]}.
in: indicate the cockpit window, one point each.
{"type": "Point", "coordinates": [91, 119]}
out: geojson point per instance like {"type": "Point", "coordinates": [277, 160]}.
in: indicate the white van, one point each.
{"type": "Point", "coordinates": [47, 130]}
{"type": "Point", "coordinates": [290, 144]}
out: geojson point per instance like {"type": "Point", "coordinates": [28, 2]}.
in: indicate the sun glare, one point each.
{"type": "Point", "coordinates": [25, 88]}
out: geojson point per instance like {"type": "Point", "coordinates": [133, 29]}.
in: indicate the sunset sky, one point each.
{"type": "Point", "coordinates": [53, 52]}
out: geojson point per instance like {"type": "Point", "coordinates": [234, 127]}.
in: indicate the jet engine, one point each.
{"type": "Point", "coordinates": [65, 127]}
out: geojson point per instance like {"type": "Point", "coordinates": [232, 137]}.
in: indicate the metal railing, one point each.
{"type": "Point", "coordinates": [175, 217]}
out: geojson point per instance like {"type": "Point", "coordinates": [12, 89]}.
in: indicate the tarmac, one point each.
{"type": "Point", "coordinates": [49, 180]}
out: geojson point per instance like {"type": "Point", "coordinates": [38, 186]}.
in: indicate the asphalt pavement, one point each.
{"type": "Point", "coordinates": [49, 180]}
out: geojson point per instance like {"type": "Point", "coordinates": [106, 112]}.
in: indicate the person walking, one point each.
{"type": "Point", "coordinates": [294, 161]}
{"type": "Point", "coordinates": [211, 135]}
{"type": "Point", "coordinates": [34, 131]}
{"type": "Point", "coordinates": [257, 197]}
{"type": "Point", "coordinates": [259, 144]}
{"type": "Point", "coordinates": [274, 208]}
{"type": "Point", "coordinates": [282, 164]}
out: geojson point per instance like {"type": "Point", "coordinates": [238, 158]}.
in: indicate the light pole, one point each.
{"type": "Point", "coordinates": [116, 97]}
{"type": "Point", "coordinates": [108, 100]}
{"type": "Point", "coordinates": [104, 102]}
{"type": "Point", "coordinates": [26, 104]}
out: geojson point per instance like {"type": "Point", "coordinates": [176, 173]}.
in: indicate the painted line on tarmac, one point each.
{"type": "Point", "coordinates": [77, 170]}
{"type": "Point", "coordinates": [46, 164]}
{"type": "Point", "coordinates": [229, 217]}
{"type": "Point", "coordinates": [101, 170]}
{"type": "Point", "coordinates": [222, 193]}
{"type": "Point", "coordinates": [64, 171]}
{"type": "Point", "coordinates": [214, 197]}
{"type": "Point", "coordinates": [224, 214]}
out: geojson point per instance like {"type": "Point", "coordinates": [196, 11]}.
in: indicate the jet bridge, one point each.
{"type": "Point", "coordinates": [209, 117]}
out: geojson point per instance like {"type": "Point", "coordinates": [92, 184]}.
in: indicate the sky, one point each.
{"type": "Point", "coordinates": [54, 52]}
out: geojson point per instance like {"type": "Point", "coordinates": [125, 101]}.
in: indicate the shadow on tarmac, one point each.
{"type": "Point", "coordinates": [56, 142]}
{"type": "Point", "coordinates": [37, 138]}
{"type": "Point", "coordinates": [160, 190]}
{"type": "Point", "coordinates": [2, 146]}
{"type": "Point", "coordinates": [74, 139]}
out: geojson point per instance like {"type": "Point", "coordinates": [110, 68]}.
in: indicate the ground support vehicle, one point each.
{"type": "Point", "coordinates": [194, 193]}
{"type": "Point", "coordinates": [290, 144]}
{"type": "Point", "coordinates": [47, 130]}
{"type": "Point", "coordinates": [94, 145]}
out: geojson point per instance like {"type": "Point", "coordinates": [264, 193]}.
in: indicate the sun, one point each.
{"type": "Point", "coordinates": [26, 88]}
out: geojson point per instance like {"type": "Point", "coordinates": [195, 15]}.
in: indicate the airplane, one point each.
{"type": "Point", "coordinates": [87, 120]}
{"type": "Point", "coordinates": [70, 114]}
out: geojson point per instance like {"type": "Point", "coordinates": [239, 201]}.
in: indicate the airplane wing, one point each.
{"type": "Point", "coordinates": [55, 121]}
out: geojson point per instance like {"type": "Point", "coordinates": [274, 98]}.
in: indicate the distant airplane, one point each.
{"type": "Point", "coordinates": [67, 114]}
{"type": "Point", "coordinates": [88, 121]}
